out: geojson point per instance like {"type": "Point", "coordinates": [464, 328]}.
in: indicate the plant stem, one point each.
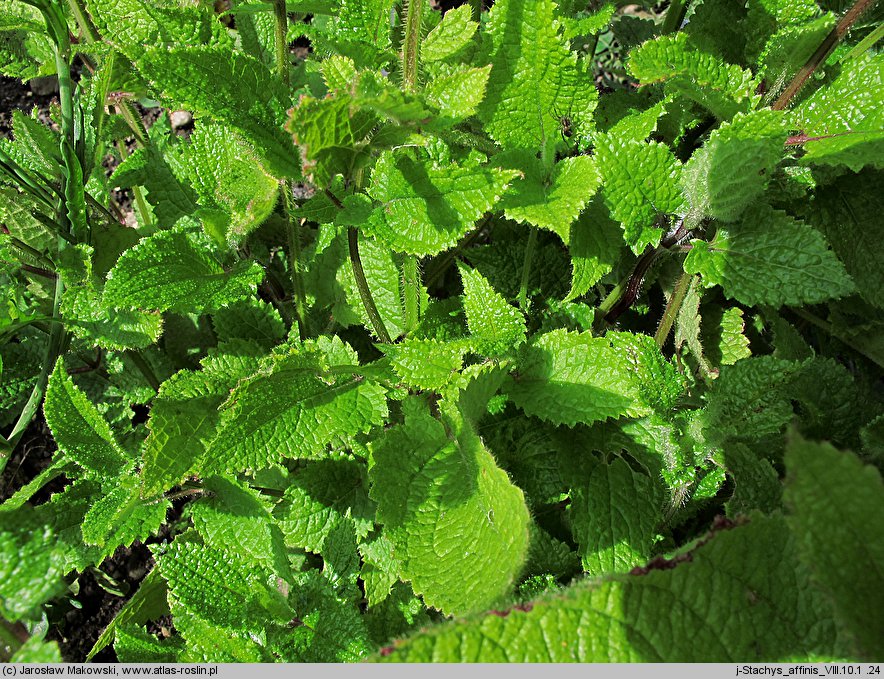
{"type": "Point", "coordinates": [144, 368]}
{"type": "Point", "coordinates": [90, 33]}
{"type": "Point", "coordinates": [476, 9]}
{"type": "Point", "coordinates": [411, 44]}
{"type": "Point", "coordinates": [137, 194]}
{"type": "Point", "coordinates": [36, 255]}
{"type": "Point", "coordinates": [12, 635]}
{"type": "Point", "coordinates": [364, 291]}
{"type": "Point", "coordinates": [530, 246]}
{"type": "Point", "coordinates": [411, 292]}
{"type": "Point", "coordinates": [410, 53]}
{"type": "Point", "coordinates": [282, 46]}
{"type": "Point", "coordinates": [672, 307]}
{"type": "Point", "coordinates": [440, 266]}
{"type": "Point", "coordinates": [674, 16]}
{"type": "Point", "coordinates": [37, 271]}
{"type": "Point", "coordinates": [293, 232]}
{"type": "Point", "coordinates": [823, 51]}
{"type": "Point", "coordinates": [864, 44]}
{"type": "Point", "coordinates": [858, 343]}
{"type": "Point", "coordinates": [54, 349]}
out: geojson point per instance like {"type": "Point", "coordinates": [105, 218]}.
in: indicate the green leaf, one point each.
{"type": "Point", "coordinates": [730, 171]}
{"type": "Point", "coordinates": [764, 17]}
{"type": "Point", "coordinates": [110, 328]}
{"type": "Point", "coordinates": [729, 343]}
{"type": "Point", "coordinates": [848, 212]}
{"type": "Point", "coordinates": [320, 497]}
{"type": "Point", "coordinates": [453, 33]}
{"type": "Point", "coordinates": [26, 52]}
{"type": "Point", "coordinates": [229, 179]}
{"type": "Point", "coordinates": [135, 645]}
{"type": "Point", "coordinates": [757, 484]}
{"type": "Point", "coordinates": [243, 94]}
{"type": "Point", "coordinates": [234, 514]}
{"type": "Point", "coordinates": [22, 364]}
{"type": "Point", "coordinates": [32, 564]}
{"type": "Point", "coordinates": [250, 319]}
{"type": "Point", "coordinates": [659, 380]}
{"type": "Point", "coordinates": [495, 325]}
{"type": "Point", "coordinates": [722, 88]}
{"type": "Point", "coordinates": [790, 48]}
{"type": "Point", "coordinates": [20, 213]}
{"type": "Point", "coordinates": [183, 419]}
{"type": "Point", "coordinates": [222, 587]}
{"type": "Point", "coordinates": [382, 271]}
{"type": "Point", "coordinates": [147, 603]}
{"type": "Point", "coordinates": [551, 202]}
{"type": "Point", "coordinates": [749, 400]}
{"type": "Point", "coordinates": [80, 431]}
{"type": "Point", "coordinates": [570, 378]}
{"type": "Point", "coordinates": [331, 134]}
{"type": "Point", "coordinates": [175, 271]}
{"type": "Point", "coordinates": [396, 615]}
{"type": "Point", "coordinates": [331, 630]}
{"type": "Point", "coordinates": [837, 514]}
{"type": "Point", "coordinates": [717, 27]}
{"type": "Point", "coordinates": [535, 78]}
{"type": "Point", "coordinates": [428, 207]}
{"type": "Point", "coordinates": [829, 402]}
{"type": "Point", "coordinates": [594, 244]}
{"type": "Point", "coordinates": [636, 204]}
{"type": "Point", "coordinates": [120, 516]}
{"type": "Point", "coordinates": [133, 26]}
{"type": "Point", "coordinates": [206, 642]}
{"type": "Point", "coordinates": [712, 600]}
{"type": "Point", "coordinates": [458, 526]}
{"type": "Point", "coordinates": [770, 258]}
{"type": "Point", "coordinates": [687, 327]}
{"type": "Point", "coordinates": [36, 650]}
{"type": "Point", "coordinates": [426, 363]}
{"type": "Point", "coordinates": [614, 515]}
{"type": "Point", "coordinates": [380, 570]}
{"type": "Point", "coordinates": [154, 167]}
{"type": "Point", "coordinates": [588, 23]}
{"type": "Point", "coordinates": [849, 115]}
{"type": "Point", "coordinates": [457, 91]}
{"type": "Point", "coordinates": [293, 408]}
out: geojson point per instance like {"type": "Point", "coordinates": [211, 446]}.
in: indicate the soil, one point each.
{"type": "Point", "coordinates": [16, 95]}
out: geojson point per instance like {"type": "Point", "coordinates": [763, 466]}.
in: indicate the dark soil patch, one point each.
{"type": "Point", "coordinates": [16, 95]}
{"type": "Point", "coordinates": [32, 455]}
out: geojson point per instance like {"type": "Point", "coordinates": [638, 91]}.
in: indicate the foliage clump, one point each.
{"type": "Point", "coordinates": [446, 352]}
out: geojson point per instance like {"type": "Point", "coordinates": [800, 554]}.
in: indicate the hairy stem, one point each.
{"type": "Point", "coordinates": [440, 265]}
{"type": "Point", "coordinates": [281, 41]}
{"type": "Point", "coordinates": [364, 291]}
{"type": "Point", "coordinates": [84, 21]}
{"type": "Point", "coordinates": [411, 278]}
{"type": "Point", "coordinates": [54, 349]}
{"type": "Point", "coordinates": [819, 57]}
{"type": "Point", "coordinates": [137, 193]}
{"type": "Point", "coordinates": [144, 368]}
{"type": "Point", "coordinates": [530, 246]}
{"type": "Point", "coordinates": [411, 44]}
{"type": "Point", "coordinates": [26, 249]}
{"type": "Point", "coordinates": [293, 232]}
{"type": "Point", "coordinates": [865, 44]}
{"type": "Point", "coordinates": [858, 343]}
{"type": "Point", "coordinates": [476, 9]}
{"type": "Point", "coordinates": [672, 307]}
{"type": "Point", "coordinates": [674, 16]}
